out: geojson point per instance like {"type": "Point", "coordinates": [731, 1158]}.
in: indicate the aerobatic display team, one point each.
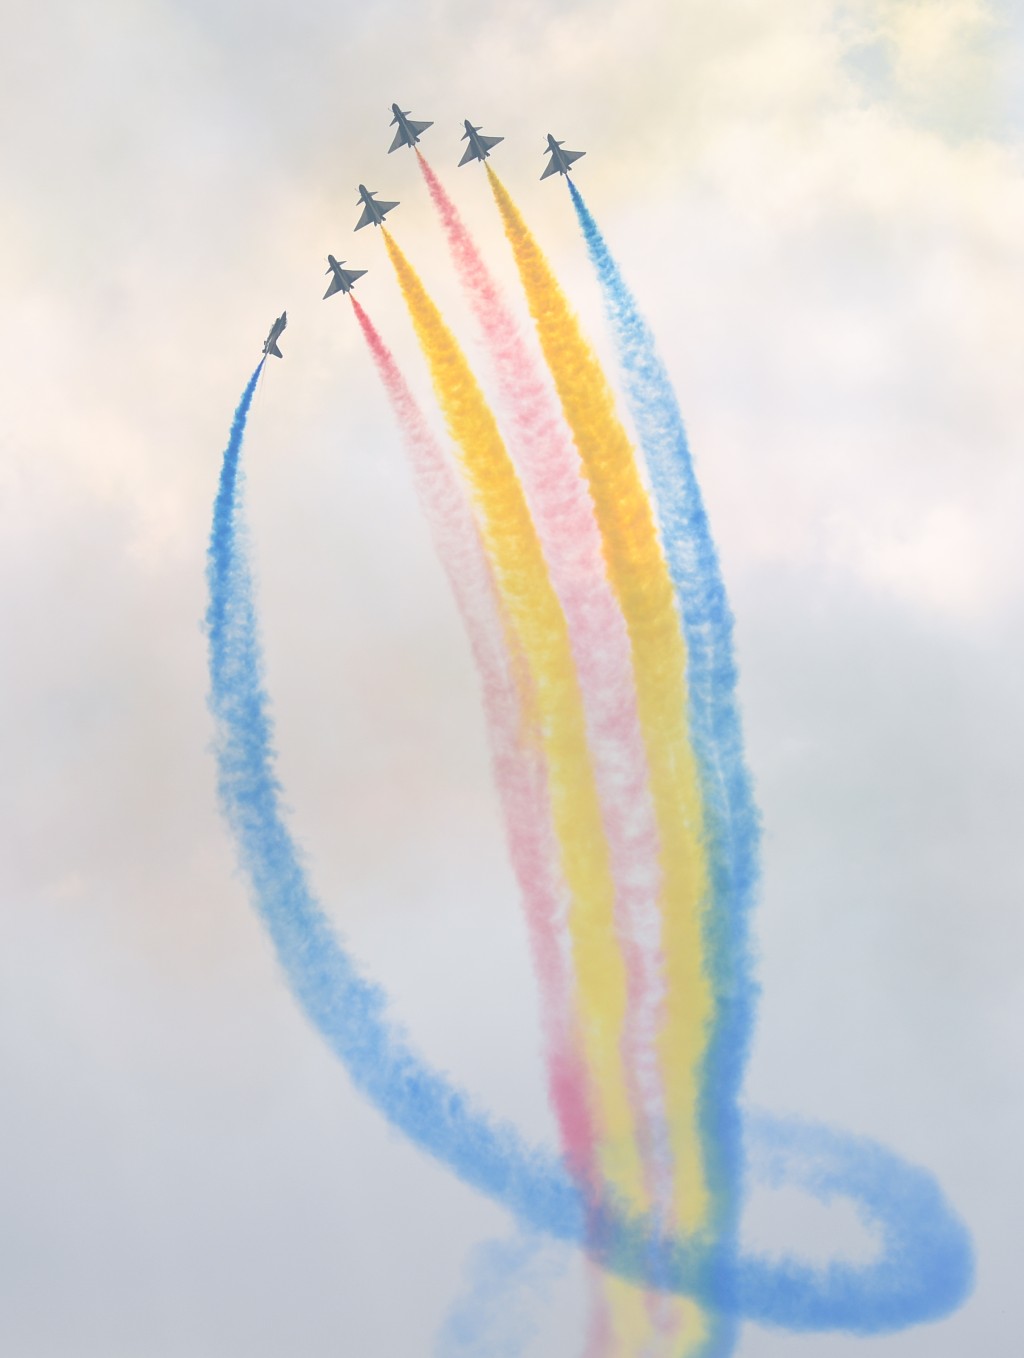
{"type": "Point", "coordinates": [584, 570]}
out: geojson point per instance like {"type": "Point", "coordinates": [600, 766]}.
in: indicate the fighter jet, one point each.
{"type": "Point", "coordinates": [479, 148]}
{"type": "Point", "coordinates": [560, 160]}
{"type": "Point", "coordinates": [343, 278]}
{"type": "Point", "coordinates": [270, 343]}
{"type": "Point", "coordinates": [408, 133]}
{"type": "Point", "coordinates": [372, 211]}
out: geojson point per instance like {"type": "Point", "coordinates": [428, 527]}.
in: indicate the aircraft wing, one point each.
{"type": "Point", "coordinates": [365, 219]}
{"type": "Point", "coordinates": [488, 142]}
{"type": "Point", "coordinates": [468, 155]}
{"type": "Point", "coordinates": [273, 349]}
{"type": "Point", "coordinates": [334, 285]}
{"type": "Point", "coordinates": [385, 207]}
{"type": "Point", "coordinates": [570, 156]}
{"type": "Point", "coordinates": [552, 168]}
{"type": "Point", "coordinates": [407, 133]}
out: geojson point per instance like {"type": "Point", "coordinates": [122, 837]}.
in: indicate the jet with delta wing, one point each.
{"type": "Point", "coordinates": [408, 133]}
{"type": "Point", "coordinates": [560, 160]}
{"type": "Point", "coordinates": [479, 147]}
{"type": "Point", "coordinates": [343, 278]}
{"type": "Point", "coordinates": [372, 210]}
{"type": "Point", "coordinates": [270, 343]}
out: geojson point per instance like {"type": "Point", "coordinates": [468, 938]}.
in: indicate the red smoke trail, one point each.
{"type": "Point", "coordinates": [518, 763]}
{"type": "Point", "coordinates": [563, 511]}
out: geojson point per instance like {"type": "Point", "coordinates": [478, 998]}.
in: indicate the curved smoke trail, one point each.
{"type": "Point", "coordinates": [348, 1010]}
{"type": "Point", "coordinates": [923, 1268]}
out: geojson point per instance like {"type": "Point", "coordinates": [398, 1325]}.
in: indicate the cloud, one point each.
{"type": "Point", "coordinates": [820, 209]}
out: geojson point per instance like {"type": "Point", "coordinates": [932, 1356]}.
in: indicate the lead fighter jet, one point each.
{"type": "Point", "coordinates": [372, 211]}
{"type": "Point", "coordinates": [343, 278]}
{"type": "Point", "coordinates": [479, 148]}
{"type": "Point", "coordinates": [408, 133]}
{"type": "Point", "coordinates": [270, 343]}
{"type": "Point", "coordinates": [560, 160]}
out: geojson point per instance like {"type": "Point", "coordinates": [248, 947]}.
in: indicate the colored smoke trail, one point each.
{"type": "Point", "coordinates": [536, 617]}
{"type": "Point", "coordinates": [496, 1315]}
{"type": "Point", "coordinates": [640, 578]}
{"type": "Point", "coordinates": [924, 1266]}
{"type": "Point", "coordinates": [348, 1011]}
{"type": "Point", "coordinates": [711, 674]}
{"type": "Point", "coordinates": [563, 513]}
{"type": "Point", "coordinates": [519, 768]}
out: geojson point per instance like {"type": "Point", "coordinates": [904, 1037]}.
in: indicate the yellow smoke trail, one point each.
{"type": "Point", "coordinates": [539, 626]}
{"type": "Point", "coordinates": [639, 574]}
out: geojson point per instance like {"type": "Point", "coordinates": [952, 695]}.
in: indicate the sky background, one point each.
{"type": "Point", "coordinates": [820, 208]}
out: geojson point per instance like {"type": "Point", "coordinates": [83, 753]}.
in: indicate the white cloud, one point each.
{"type": "Point", "coordinates": [829, 243]}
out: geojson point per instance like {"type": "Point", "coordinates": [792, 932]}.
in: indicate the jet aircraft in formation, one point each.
{"type": "Point", "coordinates": [270, 343]}
{"type": "Point", "coordinates": [560, 160]}
{"type": "Point", "coordinates": [408, 134]}
{"type": "Point", "coordinates": [372, 210]}
{"type": "Point", "coordinates": [343, 278]}
{"type": "Point", "coordinates": [479, 147]}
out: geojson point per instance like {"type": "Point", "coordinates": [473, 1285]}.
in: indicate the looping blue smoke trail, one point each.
{"type": "Point", "coordinates": [816, 1159]}
{"type": "Point", "coordinates": [348, 1011]}
{"type": "Point", "coordinates": [924, 1265]}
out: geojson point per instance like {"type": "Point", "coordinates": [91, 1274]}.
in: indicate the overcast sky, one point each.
{"type": "Point", "coordinates": [820, 207]}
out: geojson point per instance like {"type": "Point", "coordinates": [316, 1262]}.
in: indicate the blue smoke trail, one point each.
{"type": "Point", "coordinates": [347, 1010]}
{"type": "Point", "coordinates": [924, 1266]}
{"type": "Point", "coordinates": [714, 726]}
{"type": "Point", "coordinates": [496, 1316]}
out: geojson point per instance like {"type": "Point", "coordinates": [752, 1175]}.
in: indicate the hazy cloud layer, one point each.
{"type": "Point", "coordinates": [820, 207]}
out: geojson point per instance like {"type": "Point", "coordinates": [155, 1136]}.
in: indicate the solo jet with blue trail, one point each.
{"type": "Point", "coordinates": [343, 278]}
{"type": "Point", "coordinates": [270, 343]}
{"type": "Point", "coordinates": [372, 210]}
{"type": "Point", "coordinates": [479, 147]}
{"type": "Point", "coordinates": [408, 133]}
{"type": "Point", "coordinates": [560, 160]}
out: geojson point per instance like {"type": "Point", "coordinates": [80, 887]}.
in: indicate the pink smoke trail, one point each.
{"type": "Point", "coordinates": [519, 766]}
{"type": "Point", "coordinates": [564, 515]}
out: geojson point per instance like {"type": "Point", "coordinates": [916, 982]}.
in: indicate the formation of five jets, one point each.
{"type": "Point", "coordinates": [374, 211]}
